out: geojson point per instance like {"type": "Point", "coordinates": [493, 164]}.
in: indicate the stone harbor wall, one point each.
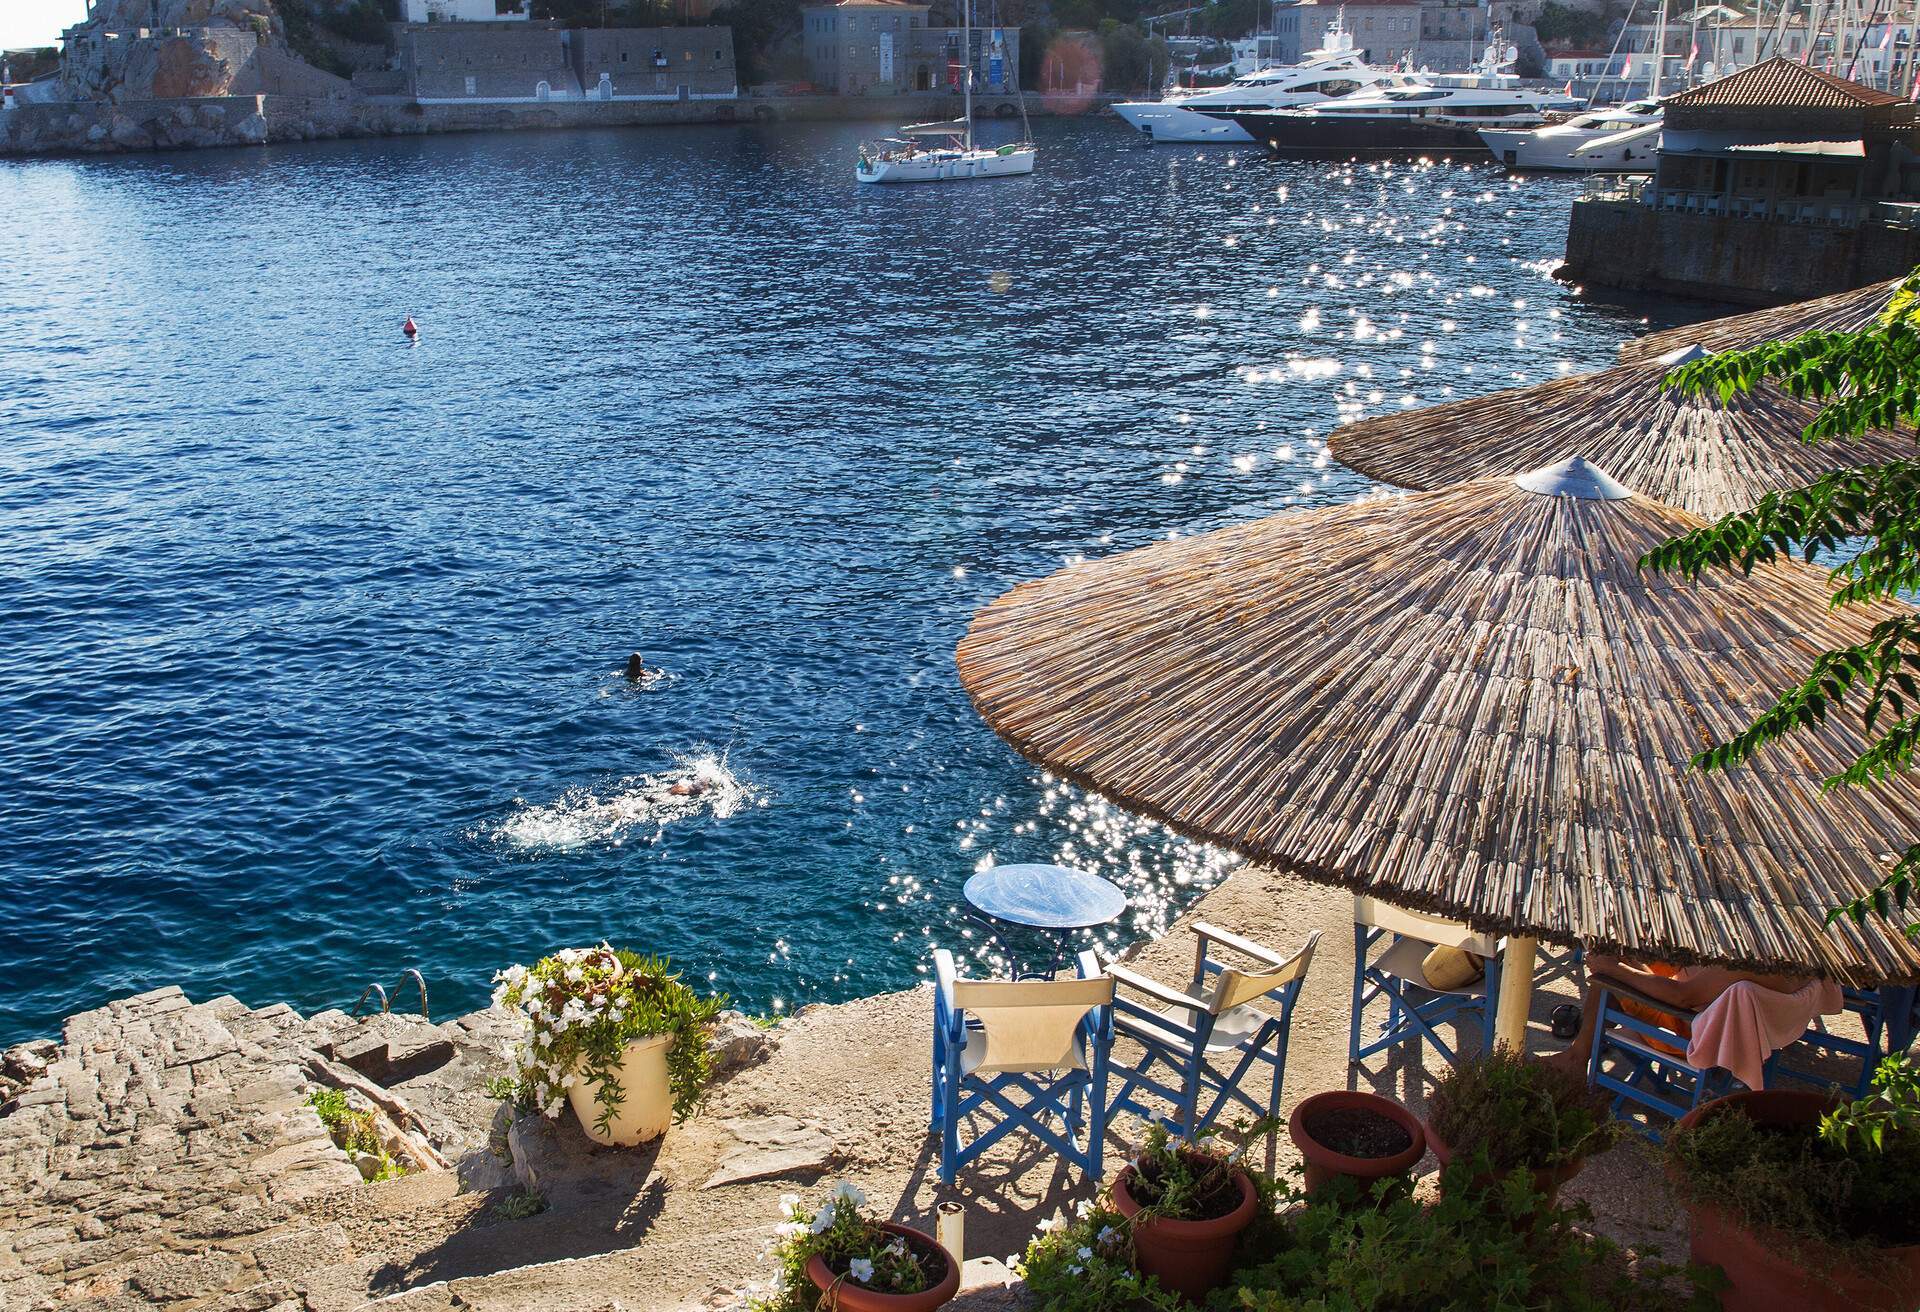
{"type": "Point", "coordinates": [184, 123]}
{"type": "Point", "coordinates": [251, 120]}
{"type": "Point", "coordinates": [1633, 246]}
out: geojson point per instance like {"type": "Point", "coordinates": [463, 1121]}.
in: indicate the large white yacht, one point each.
{"type": "Point", "coordinates": [1581, 144]}
{"type": "Point", "coordinates": [1335, 69]}
{"type": "Point", "coordinates": [1436, 112]}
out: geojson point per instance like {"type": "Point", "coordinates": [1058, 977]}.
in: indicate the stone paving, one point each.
{"type": "Point", "coordinates": [160, 1159]}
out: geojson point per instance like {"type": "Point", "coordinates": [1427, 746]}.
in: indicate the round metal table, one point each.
{"type": "Point", "coordinates": [1054, 900]}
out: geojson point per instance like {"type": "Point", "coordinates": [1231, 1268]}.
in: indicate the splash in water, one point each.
{"type": "Point", "coordinates": [639, 806]}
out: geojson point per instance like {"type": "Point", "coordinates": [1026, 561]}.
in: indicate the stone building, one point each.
{"type": "Point", "coordinates": [885, 47]}
{"type": "Point", "coordinates": [508, 63]}
{"type": "Point", "coordinates": [1385, 31]}
{"type": "Point", "coordinates": [1778, 183]}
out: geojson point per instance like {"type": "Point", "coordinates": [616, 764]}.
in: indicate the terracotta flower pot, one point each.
{"type": "Point", "coordinates": [646, 1108]}
{"type": "Point", "coordinates": [1325, 1165]}
{"type": "Point", "coordinates": [1546, 1179]}
{"type": "Point", "coordinates": [850, 1297]}
{"type": "Point", "coordinates": [1767, 1273]}
{"type": "Point", "coordinates": [1191, 1258]}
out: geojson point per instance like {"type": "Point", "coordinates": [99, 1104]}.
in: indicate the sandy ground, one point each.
{"type": "Point", "coordinates": [859, 1072]}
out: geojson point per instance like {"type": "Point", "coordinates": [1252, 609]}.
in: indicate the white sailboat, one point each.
{"type": "Point", "coordinates": [945, 152]}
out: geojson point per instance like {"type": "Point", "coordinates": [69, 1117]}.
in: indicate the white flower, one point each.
{"type": "Point", "coordinates": [1052, 1224]}
{"type": "Point", "coordinates": [789, 1201]}
{"type": "Point", "coordinates": [790, 1229]}
{"type": "Point", "coordinates": [822, 1219]}
{"type": "Point", "coordinates": [849, 1193]}
{"type": "Point", "coordinates": [1107, 1233]}
{"type": "Point", "coordinates": [1085, 1254]}
{"type": "Point", "coordinates": [1076, 1269]}
{"type": "Point", "coordinates": [552, 1109]}
{"type": "Point", "coordinates": [1083, 1209]}
{"type": "Point", "coordinates": [861, 1269]}
{"type": "Point", "coordinates": [898, 1248]}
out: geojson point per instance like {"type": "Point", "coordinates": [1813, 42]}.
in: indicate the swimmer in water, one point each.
{"type": "Point", "coordinates": [689, 787]}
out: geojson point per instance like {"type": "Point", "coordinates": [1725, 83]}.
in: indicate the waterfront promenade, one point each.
{"type": "Point", "coordinates": [231, 1196]}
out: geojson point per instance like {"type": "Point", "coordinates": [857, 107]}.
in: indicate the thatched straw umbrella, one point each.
{"type": "Point", "coordinates": [1841, 312]}
{"type": "Point", "coordinates": [1471, 702]}
{"type": "Point", "coordinates": [1689, 451]}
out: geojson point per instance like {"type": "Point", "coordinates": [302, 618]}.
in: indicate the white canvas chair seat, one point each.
{"type": "Point", "coordinates": [1404, 961]}
{"type": "Point", "coordinates": [1044, 1039]}
{"type": "Point", "coordinates": [1390, 944]}
{"type": "Point", "coordinates": [1230, 1028]}
{"type": "Point", "coordinates": [1215, 1016]}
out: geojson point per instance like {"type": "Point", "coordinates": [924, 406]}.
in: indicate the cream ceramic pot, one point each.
{"type": "Point", "coordinates": [647, 1108]}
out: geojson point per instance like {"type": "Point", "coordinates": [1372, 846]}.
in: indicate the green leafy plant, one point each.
{"type": "Point", "coordinates": [580, 1009]}
{"type": "Point", "coordinates": [1519, 1113]}
{"type": "Point", "coordinates": [1875, 1124]}
{"type": "Point", "coordinates": [1330, 1254]}
{"type": "Point", "coordinates": [1181, 1180]}
{"type": "Point", "coordinates": [1457, 1254]}
{"type": "Point", "coordinates": [1087, 1265]}
{"type": "Point", "coordinates": [519, 1205]}
{"type": "Point", "coordinates": [1832, 1191]}
{"type": "Point", "coordinates": [853, 1246]}
{"type": "Point", "coordinates": [355, 1133]}
{"type": "Point", "coordinates": [1863, 380]}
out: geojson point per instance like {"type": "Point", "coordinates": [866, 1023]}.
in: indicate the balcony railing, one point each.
{"type": "Point", "coordinates": [1615, 186]}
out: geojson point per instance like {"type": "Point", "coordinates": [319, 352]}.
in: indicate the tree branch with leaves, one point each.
{"type": "Point", "coordinates": [1864, 380]}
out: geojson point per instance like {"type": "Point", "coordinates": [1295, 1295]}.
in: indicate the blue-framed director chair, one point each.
{"type": "Point", "coordinates": [1238, 1014]}
{"type": "Point", "coordinates": [1641, 1061]}
{"type": "Point", "coordinates": [1046, 1040]}
{"type": "Point", "coordinates": [1390, 945]}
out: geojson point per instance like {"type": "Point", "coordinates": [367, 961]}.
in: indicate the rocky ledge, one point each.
{"type": "Point", "coordinates": [165, 1153]}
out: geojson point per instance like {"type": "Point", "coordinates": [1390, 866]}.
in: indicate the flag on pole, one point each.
{"type": "Point", "coordinates": [1569, 86]}
{"type": "Point", "coordinates": [1692, 55]}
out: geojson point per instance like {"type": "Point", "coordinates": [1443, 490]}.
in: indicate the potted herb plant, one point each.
{"type": "Point", "coordinates": [618, 1036]}
{"type": "Point", "coordinates": [1806, 1201]}
{"type": "Point", "coordinates": [1185, 1205]}
{"type": "Point", "coordinates": [1500, 1113]}
{"type": "Point", "coordinates": [1362, 1136]}
{"type": "Point", "coordinates": [837, 1257]}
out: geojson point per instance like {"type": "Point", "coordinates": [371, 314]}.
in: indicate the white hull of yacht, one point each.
{"type": "Point", "coordinates": [948, 165]}
{"type": "Point", "coordinates": [1553, 151]}
{"type": "Point", "coordinates": [1175, 123]}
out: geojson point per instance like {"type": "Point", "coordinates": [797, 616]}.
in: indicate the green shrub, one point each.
{"type": "Point", "coordinates": [1458, 1254]}
{"type": "Point", "coordinates": [354, 1133]}
{"type": "Point", "coordinates": [1520, 1113]}
{"type": "Point", "coordinates": [1332, 1254]}
{"type": "Point", "coordinates": [1833, 1191]}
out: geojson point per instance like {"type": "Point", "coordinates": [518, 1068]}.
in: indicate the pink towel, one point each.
{"type": "Point", "coordinates": [1747, 1024]}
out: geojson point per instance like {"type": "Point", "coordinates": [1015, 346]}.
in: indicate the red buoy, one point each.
{"type": "Point", "coordinates": [410, 328]}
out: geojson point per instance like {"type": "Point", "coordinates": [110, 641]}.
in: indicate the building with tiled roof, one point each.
{"type": "Point", "coordinates": [1779, 182]}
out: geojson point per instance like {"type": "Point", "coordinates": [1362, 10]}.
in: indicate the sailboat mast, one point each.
{"type": "Point", "coordinates": [966, 65]}
{"type": "Point", "coordinates": [1659, 52]}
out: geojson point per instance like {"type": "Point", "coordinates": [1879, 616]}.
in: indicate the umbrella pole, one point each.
{"type": "Point", "coordinates": [1516, 992]}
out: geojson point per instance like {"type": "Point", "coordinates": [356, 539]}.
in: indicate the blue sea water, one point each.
{"type": "Point", "coordinates": [310, 640]}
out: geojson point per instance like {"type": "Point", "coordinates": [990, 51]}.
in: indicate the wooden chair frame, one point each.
{"type": "Point", "coordinates": [1414, 1012]}
{"type": "Point", "coordinates": [1076, 1094]}
{"type": "Point", "coordinates": [1661, 1082]}
{"type": "Point", "coordinates": [1215, 989]}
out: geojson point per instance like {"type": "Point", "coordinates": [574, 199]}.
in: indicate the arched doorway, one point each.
{"type": "Point", "coordinates": [923, 78]}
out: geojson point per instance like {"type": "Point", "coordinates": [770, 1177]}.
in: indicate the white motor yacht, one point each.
{"type": "Point", "coordinates": [1578, 144]}
{"type": "Point", "coordinates": [1335, 69]}
{"type": "Point", "coordinates": [1440, 112]}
